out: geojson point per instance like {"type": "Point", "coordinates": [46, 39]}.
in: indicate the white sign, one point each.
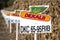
{"type": "Point", "coordinates": [34, 26]}
{"type": "Point", "coordinates": [32, 21]}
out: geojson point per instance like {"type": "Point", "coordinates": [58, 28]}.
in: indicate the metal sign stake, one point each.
{"type": "Point", "coordinates": [10, 27]}
{"type": "Point", "coordinates": [35, 36]}
{"type": "Point", "coordinates": [17, 31]}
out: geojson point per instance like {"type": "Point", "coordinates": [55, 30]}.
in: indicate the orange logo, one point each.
{"type": "Point", "coordinates": [40, 17]}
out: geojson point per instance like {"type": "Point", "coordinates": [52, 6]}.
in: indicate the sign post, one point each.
{"type": "Point", "coordinates": [17, 31]}
{"type": "Point", "coordinates": [35, 36]}
{"type": "Point", "coordinates": [11, 19]}
{"type": "Point", "coordinates": [31, 21]}
{"type": "Point", "coordinates": [38, 23]}
{"type": "Point", "coordinates": [10, 26]}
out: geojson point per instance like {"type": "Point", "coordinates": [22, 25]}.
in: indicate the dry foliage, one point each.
{"type": "Point", "coordinates": [53, 11]}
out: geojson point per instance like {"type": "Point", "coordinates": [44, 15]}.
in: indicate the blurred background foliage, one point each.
{"type": "Point", "coordinates": [6, 3]}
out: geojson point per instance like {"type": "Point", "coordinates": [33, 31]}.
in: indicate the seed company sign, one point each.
{"type": "Point", "coordinates": [31, 21]}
